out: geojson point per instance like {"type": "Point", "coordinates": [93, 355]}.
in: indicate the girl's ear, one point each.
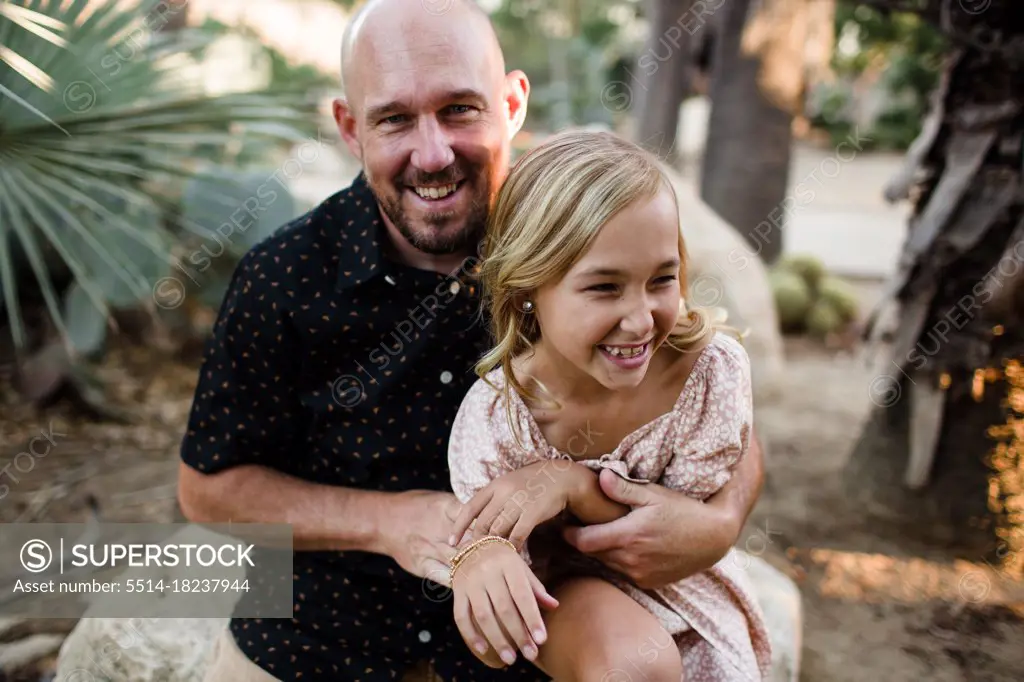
{"type": "Point", "coordinates": [524, 303]}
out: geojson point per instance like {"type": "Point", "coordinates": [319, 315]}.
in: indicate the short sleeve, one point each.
{"type": "Point", "coordinates": [473, 444]}
{"type": "Point", "coordinates": [718, 422]}
{"type": "Point", "coordinates": [476, 444]}
{"type": "Point", "coordinates": [245, 409]}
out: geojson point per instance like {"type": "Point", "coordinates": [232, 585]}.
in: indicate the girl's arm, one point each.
{"type": "Point", "coordinates": [587, 501]}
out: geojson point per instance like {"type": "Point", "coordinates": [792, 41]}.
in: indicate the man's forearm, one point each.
{"type": "Point", "coordinates": [588, 503]}
{"type": "Point", "coordinates": [740, 494]}
{"type": "Point", "coordinates": [322, 517]}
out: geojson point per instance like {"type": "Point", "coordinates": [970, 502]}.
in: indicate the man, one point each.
{"type": "Point", "coordinates": [342, 351]}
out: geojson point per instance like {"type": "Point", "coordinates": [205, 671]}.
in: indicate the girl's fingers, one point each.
{"type": "Point", "coordinates": [485, 519]}
{"type": "Point", "coordinates": [506, 519]}
{"type": "Point", "coordinates": [544, 598]}
{"type": "Point", "coordinates": [469, 511]}
{"type": "Point", "coordinates": [466, 624]}
{"type": "Point", "coordinates": [487, 620]}
{"type": "Point", "coordinates": [524, 525]}
{"type": "Point", "coordinates": [521, 591]}
{"type": "Point", "coordinates": [510, 619]}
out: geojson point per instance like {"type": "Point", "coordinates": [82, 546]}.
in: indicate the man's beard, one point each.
{"type": "Point", "coordinates": [428, 240]}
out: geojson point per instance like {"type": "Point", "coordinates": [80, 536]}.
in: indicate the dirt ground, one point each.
{"type": "Point", "coordinates": [874, 608]}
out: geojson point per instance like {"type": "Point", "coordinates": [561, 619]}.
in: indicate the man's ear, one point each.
{"type": "Point", "coordinates": [345, 118]}
{"type": "Point", "coordinates": [517, 92]}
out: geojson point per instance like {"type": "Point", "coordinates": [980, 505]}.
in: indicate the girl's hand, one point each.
{"type": "Point", "coordinates": [496, 603]}
{"type": "Point", "coordinates": [514, 504]}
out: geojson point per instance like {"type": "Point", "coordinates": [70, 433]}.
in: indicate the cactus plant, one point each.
{"type": "Point", "coordinates": [792, 298]}
{"type": "Point", "coordinates": [840, 295]}
{"type": "Point", "coordinates": [811, 269]}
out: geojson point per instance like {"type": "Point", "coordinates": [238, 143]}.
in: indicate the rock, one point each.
{"type": "Point", "coordinates": [129, 649]}
{"type": "Point", "coordinates": [725, 271]}
{"type": "Point", "coordinates": [178, 649]}
{"type": "Point", "coordinates": [779, 598]}
{"type": "Point", "coordinates": [19, 654]}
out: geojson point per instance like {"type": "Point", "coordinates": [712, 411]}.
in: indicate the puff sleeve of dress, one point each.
{"type": "Point", "coordinates": [480, 445]}
{"type": "Point", "coordinates": [716, 421]}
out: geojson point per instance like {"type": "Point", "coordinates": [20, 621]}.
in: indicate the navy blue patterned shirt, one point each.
{"type": "Point", "coordinates": [334, 364]}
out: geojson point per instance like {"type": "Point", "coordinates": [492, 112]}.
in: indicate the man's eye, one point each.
{"type": "Point", "coordinates": [394, 119]}
{"type": "Point", "coordinates": [460, 108]}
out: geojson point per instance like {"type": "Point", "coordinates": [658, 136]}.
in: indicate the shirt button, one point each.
{"type": "Point", "coordinates": [446, 377]}
{"type": "Point", "coordinates": [424, 636]}
{"type": "Point", "coordinates": [454, 287]}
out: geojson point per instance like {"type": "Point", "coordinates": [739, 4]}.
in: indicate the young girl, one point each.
{"type": "Point", "coordinates": [599, 363]}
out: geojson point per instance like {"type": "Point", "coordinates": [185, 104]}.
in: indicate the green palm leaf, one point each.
{"type": "Point", "coordinates": [98, 137]}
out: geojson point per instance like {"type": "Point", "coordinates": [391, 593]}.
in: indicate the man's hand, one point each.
{"type": "Point", "coordinates": [665, 538]}
{"type": "Point", "coordinates": [414, 532]}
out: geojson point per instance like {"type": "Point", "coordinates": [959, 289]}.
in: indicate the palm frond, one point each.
{"type": "Point", "coordinates": [92, 121]}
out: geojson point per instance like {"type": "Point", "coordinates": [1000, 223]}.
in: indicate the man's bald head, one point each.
{"type": "Point", "coordinates": [430, 113]}
{"type": "Point", "coordinates": [382, 22]}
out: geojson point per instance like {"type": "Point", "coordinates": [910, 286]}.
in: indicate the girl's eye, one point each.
{"type": "Point", "coordinates": [667, 279]}
{"type": "Point", "coordinates": [601, 287]}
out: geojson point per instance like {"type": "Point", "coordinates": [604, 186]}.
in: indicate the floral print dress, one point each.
{"type": "Point", "coordinates": [713, 615]}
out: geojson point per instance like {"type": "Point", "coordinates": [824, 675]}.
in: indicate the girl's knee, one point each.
{"type": "Point", "coordinates": [628, 661]}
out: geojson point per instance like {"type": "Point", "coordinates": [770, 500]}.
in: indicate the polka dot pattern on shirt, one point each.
{"type": "Point", "coordinates": [333, 364]}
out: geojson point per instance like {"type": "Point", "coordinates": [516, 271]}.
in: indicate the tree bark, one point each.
{"type": "Point", "coordinates": [665, 74]}
{"type": "Point", "coordinates": [959, 292]}
{"type": "Point", "coordinates": [756, 87]}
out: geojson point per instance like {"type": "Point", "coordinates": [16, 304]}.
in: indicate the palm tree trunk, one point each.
{"type": "Point", "coordinates": [941, 455]}
{"type": "Point", "coordinates": [665, 73]}
{"type": "Point", "coordinates": [756, 86]}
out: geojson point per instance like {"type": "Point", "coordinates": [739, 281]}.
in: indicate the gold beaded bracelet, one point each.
{"type": "Point", "coordinates": [459, 558]}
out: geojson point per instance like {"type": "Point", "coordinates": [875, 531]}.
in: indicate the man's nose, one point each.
{"type": "Point", "coordinates": [432, 151]}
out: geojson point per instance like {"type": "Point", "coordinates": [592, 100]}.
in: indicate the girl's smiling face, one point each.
{"type": "Point", "coordinates": [614, 308]}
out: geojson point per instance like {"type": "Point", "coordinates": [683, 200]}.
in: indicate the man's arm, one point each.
{"type": "Point", "coordinates": [322, 517]}
{"type": "Point", "coordinates": [668, 536]}
{"type": "Point", "coordinates": [247, 420]}
{"type": "Point", "coordinates": [737, 498]}
{"type": "Point", "coordinates": [408, 526]}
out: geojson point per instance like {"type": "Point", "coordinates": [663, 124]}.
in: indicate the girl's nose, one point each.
{"type": "Point", "coordinates": [639, 322]}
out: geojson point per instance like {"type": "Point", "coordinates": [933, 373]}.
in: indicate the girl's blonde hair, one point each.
{"type": "Point", "coordinates": [546, 215]}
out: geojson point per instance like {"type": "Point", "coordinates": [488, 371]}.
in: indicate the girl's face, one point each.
{"type": "Point", "coordinates": [615, 307]}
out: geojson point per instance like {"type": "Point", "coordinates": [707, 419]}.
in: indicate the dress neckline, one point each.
{"type": "Point", "coordinates": [633, 435]}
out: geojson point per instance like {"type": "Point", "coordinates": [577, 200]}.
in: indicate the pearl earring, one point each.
{"type": "Point", "coordinates": [528, 307]}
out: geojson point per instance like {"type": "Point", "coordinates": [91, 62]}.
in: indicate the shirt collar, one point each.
{"type": "Point", "coordinates": [361, 256]}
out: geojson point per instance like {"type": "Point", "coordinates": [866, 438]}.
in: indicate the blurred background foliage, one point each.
{"type": "Point", "coordinates": [898, 55]}
{"type": "Point", "coordinates": [128, 143]}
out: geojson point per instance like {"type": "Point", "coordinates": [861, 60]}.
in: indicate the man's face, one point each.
{"type": "Point", "coordinates": [432, 125]}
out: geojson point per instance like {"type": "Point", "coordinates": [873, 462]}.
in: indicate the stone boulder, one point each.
{"type": "Point", "coordinates": [133, 649]}
{"type": "Point", "coordinates": [724, 271]}
{"type": "Point", "coordinates": [779, 598]}
{"type": "Point", "coordinates": [178, 649]}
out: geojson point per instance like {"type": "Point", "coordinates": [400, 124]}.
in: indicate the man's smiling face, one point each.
{"type": "Point", "coordinates": [430, 113]}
